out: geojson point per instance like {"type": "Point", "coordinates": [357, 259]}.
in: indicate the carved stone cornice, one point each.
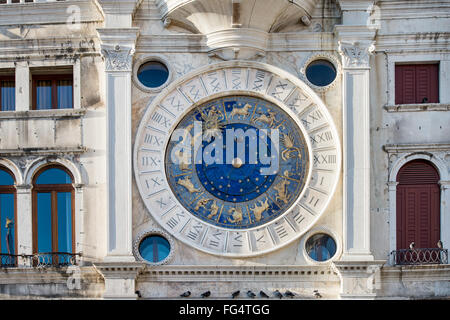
{"type": "Point", "coordinates": [356, 54]}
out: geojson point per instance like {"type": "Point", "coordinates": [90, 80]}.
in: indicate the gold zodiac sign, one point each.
{"type": "Point", "coordinates": [267, 119]}
{"type": "Point", "coordinates": [236, 214]}
{"type": "Point", "coordinates": [187, 183]}
{"type": "Point", "coordinates": [202, 204]}
{"type": "Point", "coordinates": [183, 159]}
{"type": "Point", "coordinates": [212, 123]}
{"type": "Point", "coordinates": [259, 209]}
{"type": "Point", "coordinates": [288, 142]}
{"type": "Point", "coordinates": [244, 111]}
{"type": "Point", "coordinates": [281, 188]}
{"type": "Point", "coordinates": [214, 210]}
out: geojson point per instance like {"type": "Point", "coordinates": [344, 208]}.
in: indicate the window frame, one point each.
{"type": "Point", "coordinates": [7, 78]}
{"type": "Point", "coordinates": [53, 189]}
{"type": "Point", "coordinates": [54, 78]}
{"type": "Point", "coordinates": [11, 190]}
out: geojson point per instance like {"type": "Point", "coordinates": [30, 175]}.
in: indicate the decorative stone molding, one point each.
{"type": "Point", "coordinates": [356, 54]}
{"type": "Point", "coordinates": [327, 231]}
{"type": "Point", "coordinates": [156, 232]}
{"type": "Point", "coordinates": [239, 273]}
{"type": "Point", "coordinates": [146, 58]}
{"type": "Point", "coordinates": [325, 56]}
{"type": "Point", "coordinates": [418, 107]}
{"type": "Point", "coordinates": [119, 278]}
{"type": "Point", "coordinates": [359, 280]}
{"type": "Point", "coordinates": [118, 58]}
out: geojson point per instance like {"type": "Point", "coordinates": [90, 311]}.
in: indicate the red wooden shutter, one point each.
{"type": "Point", "coordinates": [416, 83]}
{"type": "Point", "coordinates": [418, 205]}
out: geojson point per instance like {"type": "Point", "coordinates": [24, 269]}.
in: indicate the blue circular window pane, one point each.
{"type": "Point", "coordinates": [153, 74]}
{"type": "Point", "coordinates": [321, 73]}
{"type": "Point", "coordinates": [54, 176]}
{"type": "Point", "coordinates": [154, 248]}
{"type": "Point", "coordinates": [321, 247]}
{"type": "Point", "coordinates": [5, 178]}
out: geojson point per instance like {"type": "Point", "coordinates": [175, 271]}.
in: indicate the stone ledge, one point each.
{"type": "Point", "coordinates": [430, 147]}
{"type": "Point", "coordinates": [238, 273]}
{"type": "Point", "coordinates": [36, 114]}
{"type": "Point", "coordinates": [42, 151]}
{"type": "Point", "coordinates": [417, 107]}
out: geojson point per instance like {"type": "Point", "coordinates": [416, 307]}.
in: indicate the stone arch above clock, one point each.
{"type": "Point", "coordinates": [237, 78]}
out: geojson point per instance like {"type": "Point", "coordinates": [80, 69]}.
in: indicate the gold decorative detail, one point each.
{"type": "Point", "coordinates": [202, 204]}
{"type": "Point", "coordinates": [214, 209]}
{"type": "Point", "coordinates": [288, 143]}
{"type": "Point", "coordinates": [268, 118]}
{"type": "Point", "coordinates": [187, 183]}
{"type": "Point", "coordinates": [281, 188]}
{"type": "Point", "coordinates": [259, 209]}
{"type": "Point", "coordinates": [212, 123]}
{"type": "Point", "coordinates": [236, 214]}
{"type": "Point", "coordinates": [244, 111]}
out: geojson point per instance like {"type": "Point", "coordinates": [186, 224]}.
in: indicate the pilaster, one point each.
{"type": "Point", "coordinates": [22, 86]}
{"type": "Point", "coordinates": [117, 47]}
{"type": "Point", "coordinates": [356, 44]}
{"type": "Point", "coordinates": [24, 222]}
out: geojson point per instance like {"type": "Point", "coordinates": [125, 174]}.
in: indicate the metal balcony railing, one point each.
{"type": "Point", "coordinates": [39, 260]}
{"type": "Point", "coordinates": [419, 256]}
{"type": "Point", "coordinates": [26, 1]}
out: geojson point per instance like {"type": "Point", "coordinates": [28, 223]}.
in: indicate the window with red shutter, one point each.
{"type": "Point", "coordinates": [416, 83]}
{"type": "Point", "coordinates": [418, 205]}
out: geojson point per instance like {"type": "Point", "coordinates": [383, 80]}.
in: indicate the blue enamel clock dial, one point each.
{"type": "Point", "coordinates": [240, 163]}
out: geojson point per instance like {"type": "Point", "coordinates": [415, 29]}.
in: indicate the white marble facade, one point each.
{"type": "Point", "coordinates": [104, 42]}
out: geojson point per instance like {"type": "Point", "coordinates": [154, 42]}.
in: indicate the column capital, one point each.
{"type": "Point", "coordinates": [117, 57]}
{"type": "Point", "coordinates": [118, 47]}
{"type": "Point", "coordinates": [356, 54]}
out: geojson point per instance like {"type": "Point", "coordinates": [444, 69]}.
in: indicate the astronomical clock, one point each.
{"type": "Point", "coordinates": [237, 159]}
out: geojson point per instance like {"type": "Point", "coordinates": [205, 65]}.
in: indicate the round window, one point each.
{"type": "Point", "coordinates": [321, 73]}
{"type": "Point", "coordinates": [154, 248]}
{"type": "Point", "coordinates": [321, 247]}
{"type": "Point", "coordinates": [153, 74]}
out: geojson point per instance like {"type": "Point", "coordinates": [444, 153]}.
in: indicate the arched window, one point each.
{"type": "Point", "coordinates": [8, 235]}
{"type": "Point", "coordinates": [53, 212]}
{"type": "Point", "coordinates": [418, 205]}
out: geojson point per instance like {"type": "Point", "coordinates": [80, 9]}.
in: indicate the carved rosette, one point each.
{"type": "Point", "coordinates": [118, 58]}
{"type": "Point", "coordinates": [356, 54]}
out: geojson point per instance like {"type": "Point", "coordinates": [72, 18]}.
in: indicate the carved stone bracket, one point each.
{"type": "Point", "coordinates": [118, 58]}
{"type": "Point", "coordinates": [356, 54]}
{"type": "Point", "coordinates": [359, 280]}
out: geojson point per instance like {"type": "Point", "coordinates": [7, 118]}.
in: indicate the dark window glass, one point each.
{"type": "Point", "coordinates": [65, 94]}
{"type": "Point", "coordinates": [7, 214]}
{"type": "Point", "coordinates": [53, 196]}
{"type": "Point", "coordinates": [154, 248]}
{"type": "Point", "coordinates": [44, 221]}
{"type": "Point", "coordinates": [6, 179]}
{"type": "Point", "coordinates": [321, 247]}
{"type": "Point", "coordinates": [153, 74]}
{"type": "Point", "coordinates": [52, 92]}
{"type": "Point", "coordinates": [43, 94]}
{"type": "Point", "coordinates": [321, 73]}
{"type": "Point", "coordinates": [7, 95]}
{"type": "Point", "coordinates": [54, 176]}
